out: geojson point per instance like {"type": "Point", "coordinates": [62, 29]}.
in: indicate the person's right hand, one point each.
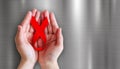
{"type": "Point", "coordinates": [54, 45]}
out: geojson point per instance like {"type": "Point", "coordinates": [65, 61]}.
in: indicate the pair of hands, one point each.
{"type": "Point", "coordinates": [47, 57]}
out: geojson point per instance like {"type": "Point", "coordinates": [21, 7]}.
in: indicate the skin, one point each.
{"type": "Point", "coordinates": [48, 57]}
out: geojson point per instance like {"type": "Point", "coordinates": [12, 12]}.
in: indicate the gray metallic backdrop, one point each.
{"type": "Point", "coordinates": [91, 31]}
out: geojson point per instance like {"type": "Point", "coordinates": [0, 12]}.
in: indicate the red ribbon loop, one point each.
{"type": "Point", "coordinates": [39, 32]}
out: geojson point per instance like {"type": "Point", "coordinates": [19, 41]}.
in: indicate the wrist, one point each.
{"type": "Point", "coordinates": [26, 64]}
{"type": "Point", "coordinates": [49, 65]}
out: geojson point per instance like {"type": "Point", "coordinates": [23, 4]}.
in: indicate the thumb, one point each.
{"type": "Point", "coordinates": [59, 37]}
{"type": "Point", "coordinates": [19, 34]}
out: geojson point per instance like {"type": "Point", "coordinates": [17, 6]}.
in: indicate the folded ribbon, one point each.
{"type": "Point", "coordinates": [39, 32]}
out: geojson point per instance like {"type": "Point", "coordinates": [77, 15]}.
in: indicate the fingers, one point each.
{"type": "Point", "coordinates": [19, 31]}
{"type": "Point", "coordinates": [49, 28]}
{"type": "Point", "coordinates": [37, 15]}
{"type": "Point", "coordinates": [18, 38]}
{"type": "Point", "coordinates": [26, 21]}
{"type": "Point", "coordinates": [34, 12]}
{"type": "Point", "coordinates": [45, 14]}
{"type": "Point", "coordinates": [53, 23]}
{"type": "Point", "coordinates": [31, 30]}
{"type": "Point", "coordinates": [59, 37]}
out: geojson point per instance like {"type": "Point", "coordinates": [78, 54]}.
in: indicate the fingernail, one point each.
{"type": "Point", "coordinates": [60, 30]}
{"type": "Point", "coordinates": [19, 27]}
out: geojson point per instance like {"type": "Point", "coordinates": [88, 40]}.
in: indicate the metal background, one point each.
{"type": "Point", "coordinates": [91, 31]}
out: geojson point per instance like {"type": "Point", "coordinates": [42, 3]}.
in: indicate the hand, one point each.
{"type": "Point", "coordinates": [23, 42]}
{"type": "Point", "coordinates": [54, 44]}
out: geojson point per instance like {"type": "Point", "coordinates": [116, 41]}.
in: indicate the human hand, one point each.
{"type": "Point", "coordinates": [54, 45]}
{"type": "Point", "coordinates": [23, 42]}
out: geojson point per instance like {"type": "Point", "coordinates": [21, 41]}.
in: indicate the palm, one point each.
{"type": "Point", "coordinates": [49, 50]}
{"type": "Point", "coordinates": [29, 49]}
{"type": "Point", "coordinates": [52, 49]}
{"type": "Point", "coordinates": [23, 40]}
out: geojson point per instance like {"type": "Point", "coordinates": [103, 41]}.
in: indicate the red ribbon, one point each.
{"type": "Point", "coordinates": [39, 32]}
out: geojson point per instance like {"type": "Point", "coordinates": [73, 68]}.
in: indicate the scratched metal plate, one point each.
{"type": "Point", "coordinates": [91, 31]}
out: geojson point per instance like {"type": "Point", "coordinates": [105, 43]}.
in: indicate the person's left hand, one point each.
{"type": "Point", "coordinates": [23, 39]}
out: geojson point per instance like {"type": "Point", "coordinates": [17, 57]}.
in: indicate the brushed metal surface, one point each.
{"type": "Point", "coordinates": [114, 41]}
{"type": "Point", "coordinates": [90, 30]}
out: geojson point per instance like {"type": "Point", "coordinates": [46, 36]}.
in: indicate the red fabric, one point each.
{"type": "Point", "coordinates": [39, 32]}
